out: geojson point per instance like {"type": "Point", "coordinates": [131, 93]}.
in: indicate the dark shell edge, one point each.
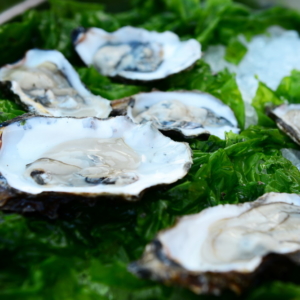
{"type": "Point", "coordinates": [283, 126]}
{"type": "Point", "coordinates": [119, 108]}
{"type": "Point", "coordinates": [155, 265]}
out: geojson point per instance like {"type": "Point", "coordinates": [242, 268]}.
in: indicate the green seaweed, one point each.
{"type": "Point", "coordinates": [85, 252]}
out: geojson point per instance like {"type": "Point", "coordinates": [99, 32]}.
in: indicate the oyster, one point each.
{"type": "Point", "coordinates": [287, 118]}
{"type": "Point", "coordinates": [191, 113]}
{"type": "Point", "coordinates": [45, 83]}
{"type": "Point", "coordinates": [226, 246]}
{"type": "Point", "coordinates": [135, 53]}
{"type": "Point", "coordinates": [46, 156]}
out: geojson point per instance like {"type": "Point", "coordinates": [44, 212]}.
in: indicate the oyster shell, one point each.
{"type": "Point", "coordinates": [191, 113]}
{"type": "Point", "coordinates": [287, 118]}
{"type": "Point", "coordinates": [89, 157]}
{"type": "Point", "coordinates": [135, 53]}
{"type": "Point", "coordinates": [226, 246]}
{"type": "Point", "coordinates": [45, 83]}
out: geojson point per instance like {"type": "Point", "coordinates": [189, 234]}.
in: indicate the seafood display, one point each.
{"type": "Point", "coordinates": [287, 118]}
{"type": "Point", "coordinates": [190, 113]}
{"type": "Point", "coordinates": [169, 164]}
{"type": "Point", "coordinates": [224, 247]}
{"type": "Point", "coordinates": [135, 53]}
{"type": "Point", "coordinates": [45, 83]}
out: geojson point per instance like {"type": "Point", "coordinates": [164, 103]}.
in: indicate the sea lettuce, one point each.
{"type": "Point", "coordinates": [289, 90]}
{"type": "Point", "coordinates": [86, 257]}
{"type": "Point", "coordinates": [9, 110]}
{"type": "Point", "coordinates": [101, 85]}
{"type": "Point", "coordinates": [235, 51]}
{"type": "Point", "coordinates": [84, 253]}
{"type": "Point", "coordinates": [264, 98]}
{"type": "Point", "coordinates": [15, 39]}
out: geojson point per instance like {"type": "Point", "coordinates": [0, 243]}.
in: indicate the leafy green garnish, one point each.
{"type": "Point", "coordinates": [9, 110]}
{"type": "Point", "coordinates": [222, 85]}
{"type": "Point", "coordinates": [101, 85]}
{"type": "Point", "coordinates": [264, 97]}
{"type": "Point", "coordinates": [86, 257]}
{"type": "Point", "coordinates": [84, 254]}
{"type": "Point", "coordinates": [15, 38]}
{"type": "Point", "coordinates": [288, 89]}
{"type": "Point", "coordinates": [235, 51]}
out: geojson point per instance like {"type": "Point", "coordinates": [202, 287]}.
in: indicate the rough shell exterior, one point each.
{"type": "Point", "coordinates": [15, 192]}
{"type": "Point", "coordinates": [45, 83]}
{"type": "Point", "coordinates": [287, 118]}
{"type": "Point", "coordinates": [176, 56]}
{"type": "Point", "coordinates": [157, 262]}
{"type": "Point", "coordinates": [185, 114]}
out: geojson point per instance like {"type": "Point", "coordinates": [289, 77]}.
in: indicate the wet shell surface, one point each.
{"type": "Point", "coordinates": [287, 118]}
{"type": "Point", "coordinates": [191, 113]}
{"type": "Point", "coordinates": [42, 156]}
{"type": "Point", "coordinates": [45, 83]}
{"type": "Point", "coordinates": [135, 53]}
{"type": "Point", "coordinates": [226, 246]}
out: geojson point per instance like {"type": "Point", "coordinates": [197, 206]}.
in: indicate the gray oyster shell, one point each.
{"type": "Point", "coordinates": [45, 83]}
{"type": "Point", "coordinates": [85, 158]}
{"type": "Point", "coordinates": [226, 246]}
{"type": "Point", "coordinates": [191, 113]}
{"type": "Point", "coordinates": [135, 53]}
{"type": "Point", "coordinates": [287, 118]}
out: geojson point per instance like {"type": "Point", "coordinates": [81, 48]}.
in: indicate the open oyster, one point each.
{"type": "Point", "coordinates": [45, 83]}
{"type": "Point", "coordinates": [287, 118]}
{"type": "Point", "coordinates": [191, 113]}
{"type": "Point", "coordinates": [86, 157]}
{"type": "Point", "coordinates": [226, 246]}
{"type": "Point", "coordinates": [135, 53]}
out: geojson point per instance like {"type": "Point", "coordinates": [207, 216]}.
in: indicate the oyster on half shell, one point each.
{"type": "Point", "coordinates": [88, 157]}
{"type": "Point", "coordinates": [191, 113]}
{"type": "Point", "coordinates": [226, 246]}
{"type": "Point", "coordinates": [135, 53]}
{"type": "Point", "coordinates": [287, 118]}
{"type": "Point", "coordinates": [45, 83]}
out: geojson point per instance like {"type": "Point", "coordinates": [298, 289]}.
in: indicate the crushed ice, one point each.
{"type": "Point", "coordinates": [270, 57]}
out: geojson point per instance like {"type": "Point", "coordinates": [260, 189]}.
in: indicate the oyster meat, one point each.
{"type": "Point", "coordinates": [191, 113]}
{"type": "Point", "coordinates": [287, 118]}
{"type": "Point", "coordinates": [45, 83]}
{"type": "Point", "coordinates": [226, 246]}
{"type": "Point", "coordinates": [42, 156]}
{"type": "Point", "coordinates": [135, 53]}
